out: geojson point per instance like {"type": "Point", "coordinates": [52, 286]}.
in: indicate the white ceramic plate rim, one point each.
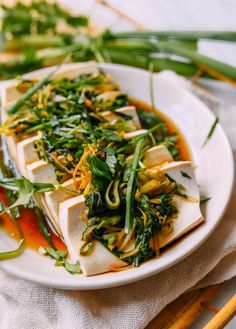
{"type": "Point", "coordinates": [128, 276]}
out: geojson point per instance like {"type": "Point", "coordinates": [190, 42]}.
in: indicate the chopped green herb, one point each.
{"type": "Point", "coordinates": [101, 173]}
{"type": "Point", "coordinates": [131, 187]}
{"type": "Point", "coordinates": [13, 253]}
{"type": "Point", "coordinates": [212, 129]}
{"type": "Point", "coordinates": [185, 175]}
{"type": "Point", "coordinates": [204, 199]}
{"type": "Point", "coordinates": [41, 221]}
{"type": "Point", "coordinates": [60, 258]}
{"type": "Point", "coordinates": [18, 105]}
{"type": "Point", "coordinates": [25, 190]}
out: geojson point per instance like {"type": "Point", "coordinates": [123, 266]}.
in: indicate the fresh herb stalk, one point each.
{"type": "Point", "coordinates": [17, 106]}
{"type": "Point", "coordinates": [179, 35]}
{"type": "Point", "coordinates": [211, 131]}
{"type": "Point", "coordinates": [131, 187]}
{"type": "Point", "coordinates": [13, 253]}
{"type": "Point", "coordinates": [226, 70]}
{"type": "Point", "coordinates": [43, 227]}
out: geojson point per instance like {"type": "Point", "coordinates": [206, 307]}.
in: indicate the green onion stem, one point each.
{"type": "Point", "coordinates": [17, 106]}
{"type": "Point", "coordinates": [113, 204]}
{"type": "Point", "coordinates": [211, 131]}
{"type": "Point", "coordinates": [16, 252]}
{"type": "Point", "coordinates": [226, 70]}
{"type": "Point", "coordinates": [131, 187]}
{"type": "Point", "coordinates": [34, 41]}
{"type": "Point", "coordinates": [43, 227]}
{"type": "Point", "coordinates": [180, 35]}
{"type": "Point", "coordinates": [149, 131]}
{"type": "Point", "coordinates": [13, 253]}
{"type": "Point", "coordinates": [159, 64]}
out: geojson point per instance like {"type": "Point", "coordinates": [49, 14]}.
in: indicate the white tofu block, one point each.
{"type": "Point", "coordinates": [39, 199]}
{"type": "Point", "coordinates": [130, 111]}
{"type": "Point", "coordinates": [72, 226]}
{"type": "Point", "coordinates": [177, 165]}
{"type": "Point", "coordinates": [176, 171]}
{"type": "Point", "coordinates": [156, 156]}
{"type": "Point", "coordinates": [126, 110]}
{"type": "Point", "coordinates": [41, 172]}
{"type": "Point", "coordinates": [135, 133]}
{"type": "Point", "coordinates": [152, 172]}
{"type": "Point", "coordinates": [11, 145]}
{"type": "Point", "coordinates": [109, 116]}
{"type": "Point", "coordinates": [25, 153]}
{"type": "Point", "coordinates": [188, 218]}
{"type": "Point", "coordinates": [71, 72]}
{"type": "Point", "coordinates": [189, 212]}
{"type": "Point", "coordinates": [12, 94]}
{"type": "Point", "coordinates": [54, 198]}
{"type": "Point", "coordinates": [108, 95]}
{"type": "Point", "coordinates": [74, 70]}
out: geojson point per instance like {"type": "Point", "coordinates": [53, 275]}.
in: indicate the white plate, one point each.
{"type": "Point", "coordinates": [214, 173]}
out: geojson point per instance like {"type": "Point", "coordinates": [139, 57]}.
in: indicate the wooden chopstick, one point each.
{"type": "Point", "coordinates": [224, 315]}
{"type": "Point", "coordinates": [137, 24]}
{"type": "Point", "coordinates": [195, 309]}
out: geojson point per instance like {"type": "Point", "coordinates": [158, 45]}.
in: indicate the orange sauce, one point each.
{"type": "Point", "coordinates": [184, 151]}
{"type": "Point", "coordinates": [28, 221]}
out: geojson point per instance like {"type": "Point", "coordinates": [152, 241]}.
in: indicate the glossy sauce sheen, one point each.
{"type": "Point", "coordinates": [28, 221]}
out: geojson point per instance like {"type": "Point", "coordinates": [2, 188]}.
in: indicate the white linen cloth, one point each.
{"type": "Point", "coordinates": [27, 305]}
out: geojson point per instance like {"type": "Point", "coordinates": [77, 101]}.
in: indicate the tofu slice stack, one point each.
{"type": "Point", "coordinates": [68, 212]}
{"type": "Point", "coordinates": [127, 111]}
{"type": "Point", "coordinates": [189, 213]}
{"type": "Point", "coordinates": [100, 260]}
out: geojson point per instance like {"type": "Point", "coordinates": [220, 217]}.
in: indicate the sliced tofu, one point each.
{"type": "Point", "coordinates": [54, 198]}
{"type": "Point", "coordinates": [189, 212]}
{"type": "Point", "coordinates": [135, 133]}
{"type": "Point", "coordinates": [108, 95]}
{"type": "Point", "coordinates": [71, 72]}
{"type": "Point", "coordinates": [71, 213]}
{"type": "Point", "coordinates": [12, 94]}
{"type": "Point", "coordinates": [11, 145]}
{"type": "Point", "coordinates": [25, 153]}
{"type": "Point", "coordinates": [156, 156]}
{"type": "Point", "coordinates": [39, 199]}
{"type": "Point", "coordinates": [41, 172]}
{"type": "Point", "coordinates": [175, 165]}
{"type": "Point", "coordinates": [189, 217]}
{"type": "Point", "coordinates": [126, 110]}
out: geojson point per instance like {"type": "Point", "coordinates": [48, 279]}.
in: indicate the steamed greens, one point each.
{"type": "Point", "coordinates": [83, 136]}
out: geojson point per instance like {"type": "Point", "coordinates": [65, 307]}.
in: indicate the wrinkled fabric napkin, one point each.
{"type": "Point", "coordinates": [27, 305]}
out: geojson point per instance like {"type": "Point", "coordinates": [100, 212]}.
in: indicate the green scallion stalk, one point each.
{"type": "Point", "coordinates": [150, 131]}
{"type": "Point", "coordinates": [16, 252]}
{"type": "Point", "coordinates": [13, 253]}
{"type": "Point", "coordinates": [43, 227]}
{"type": "Point", "coordinates": [180, 35]}
{"type": "Point", "coordinates": [159, 64]}
{"type": "Point", "coordinates": [224, 69]}
{"type": "Point", "coordinates": [34, 41]}
{"type": "Point", "coordinates": [17, 106]}
{"type": "Point", "coordinates": [211, 131]}
{"type": "Point", "coordinates": [131, 187]}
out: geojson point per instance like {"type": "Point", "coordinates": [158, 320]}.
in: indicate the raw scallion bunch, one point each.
{"type": "Point", "coordinates": [33, 42]}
